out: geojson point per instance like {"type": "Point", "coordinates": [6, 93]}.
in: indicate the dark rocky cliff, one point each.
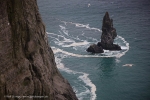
{"type": "Point", "coordinates": [27, 64]}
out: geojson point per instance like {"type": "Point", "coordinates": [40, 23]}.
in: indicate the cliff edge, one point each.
{"type": "Point", "coordinates": [27, 64]}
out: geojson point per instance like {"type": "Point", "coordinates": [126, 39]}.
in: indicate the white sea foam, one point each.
{"type": "Point", "coordinates": [83, 94]}
{"type": "Point", "coordinates": [56, 50]}
{"type": "Point", "coordinates": [56, 35]}
{"type": "Point", "coordinates": [65, 40]}
{"type": "Point", "coordinates": [74, 44]}
{"type": "Point", "coordinates": [128, 65]}
{"type": "Point", "coordinates": [88, 82]}
{"type": "Point", "coordinates": [82, 25]}
{"type": "Point", "coordinates": [64, 29]}
{"type": "Point", "coordinates": [126, 47]}
{"type": "Point", "coordinates": [51, 33]}
{"type": "Point", "coordinates": [89, 5]}
{"type": "Point", "coordinates": [117, 61]}
{"type": "Point", "coordinates": [82, 76]}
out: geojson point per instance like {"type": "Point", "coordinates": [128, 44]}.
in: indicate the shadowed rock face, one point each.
{"type": "Point", "coordinates": [108, 34]}
{"type": "Point", "coordinates": [27, 64]}
{"type": "Point", "coordinates": [108, 31]}
{"type": "Point", "coordinates": [95, 49]}
{"type": "Point", "coordinates": [107, 37]}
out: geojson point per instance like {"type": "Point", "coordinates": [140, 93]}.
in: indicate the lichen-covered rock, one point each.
{"type": "Point", "coordinates": [27, 64]}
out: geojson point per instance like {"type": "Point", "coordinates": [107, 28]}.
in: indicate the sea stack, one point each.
{"type": "Point", "coordinates": [107, 38]}
{"type": "Point", "coordinates": [108, 34]}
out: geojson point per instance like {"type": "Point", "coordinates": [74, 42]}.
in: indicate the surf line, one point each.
{"type": "Point", "coordinates": [120, 54]}
{"type": "Point", "coordinates": [83, 76]}
{"type": "Point", "coordinates": [127, 45]}
{"type": "Point", "coordinates": [97, 29]}
{"type": "Point", "coordinates": [56, 50]}
{"type": "Point", "coordinates": [73, 44]}
{"type": "Point", "coordinates": [82, 25]}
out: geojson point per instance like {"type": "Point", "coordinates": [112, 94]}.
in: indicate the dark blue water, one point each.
{"type": "Point", "coordinates": [72, 25]}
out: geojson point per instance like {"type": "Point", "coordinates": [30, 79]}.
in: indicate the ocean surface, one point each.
{"type": "Point", "coordinates": [73, 25]}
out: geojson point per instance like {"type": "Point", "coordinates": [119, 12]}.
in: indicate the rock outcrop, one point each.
{"type": "Point", "coordinates": [95, 49]}
{"type": "Point", "coordinates": [107, 37]}
{"type": "Point", "coordinates": [108, 34]}
{"type": "Point", "coordinates": [27, 65]}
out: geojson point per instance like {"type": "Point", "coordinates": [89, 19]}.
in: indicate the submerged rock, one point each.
{"type": "Point", "coordinates": [107, 38]}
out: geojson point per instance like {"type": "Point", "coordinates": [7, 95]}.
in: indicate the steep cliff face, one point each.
{"type": "Point", "coordinates": [27, 64]}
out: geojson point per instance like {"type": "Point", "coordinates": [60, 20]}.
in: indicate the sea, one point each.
{"type": "Point", "coordinates": [73, 25]}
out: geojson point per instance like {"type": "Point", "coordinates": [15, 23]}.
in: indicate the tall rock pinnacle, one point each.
{"type": "Point", "coordinates": [107, 38]}
{"type": "Point", "coordinates": [106, 22]}
{"type": "Point", "coordinates": [108, 34]}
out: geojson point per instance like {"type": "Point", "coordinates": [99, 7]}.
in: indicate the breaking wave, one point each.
{"type": "Point", "coordinates": [71, 40]}
{"type": "Point", "coordinates": [77, 43]}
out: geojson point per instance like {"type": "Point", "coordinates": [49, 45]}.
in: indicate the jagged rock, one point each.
{"type": "Point", "coordinates": [109, 47]}
{"type": "Point", "coordinates": [27, 63]}
{"type": "Point", "coordinates": [108, 34]}
{"type": "Point", "coordinates": [107, 37]}
{"type": "Point", "coordinates": [95, 49]}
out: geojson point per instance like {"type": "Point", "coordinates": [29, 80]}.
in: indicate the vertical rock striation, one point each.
{"type": "Point", "coordinates": [27, 64]}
